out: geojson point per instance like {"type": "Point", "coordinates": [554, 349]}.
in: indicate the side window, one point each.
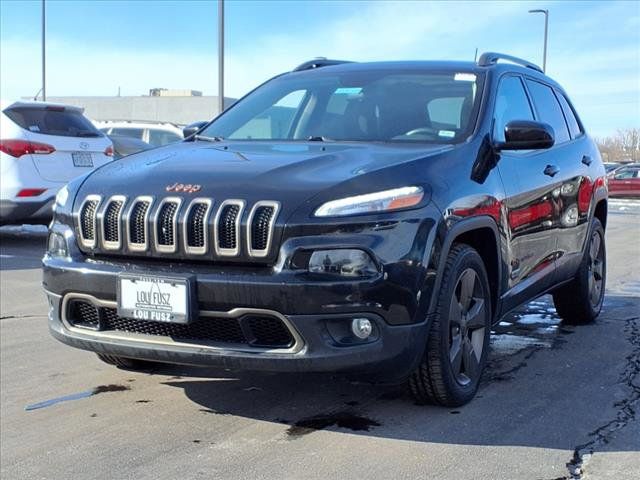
{"type": "Point", "coordinates": [572, 121]}
{"type": "Point", "coordinates": [549, 110]}
{"type": "Point", "coordinates": [625, 173]}
{"type": "Point", "coordinates": [162, 137]}
{"type": "Point", "coordinates": [511, 104]}
{"type": "Point", "coordinates": [275, 122]}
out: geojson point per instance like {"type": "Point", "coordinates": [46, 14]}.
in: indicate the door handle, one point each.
{"type": "Point", "coordinates": [586, 159]}
{"type": "Point", "coordinates": [551, 170]}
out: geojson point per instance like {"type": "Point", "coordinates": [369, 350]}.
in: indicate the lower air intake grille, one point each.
{"type": "Point", "coordinates": [260, 227]}
{"type": "Point", "coordinates": [255, 331]}
{"type": "Point", "coordinates": [87, 219]}
{"type": "Point", "coordinates": [165, 231]}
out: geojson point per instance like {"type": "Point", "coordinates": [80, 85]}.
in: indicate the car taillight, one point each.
{"type": "Point", "coordinates": [109, 151]}
{"type": "Point", "coordinates": [31, 192]}
{"type": "Point", "coordinates": [17, 148]}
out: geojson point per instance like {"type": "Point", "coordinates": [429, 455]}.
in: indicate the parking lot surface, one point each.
{"type": "Point", "coordinates": [553, 393]}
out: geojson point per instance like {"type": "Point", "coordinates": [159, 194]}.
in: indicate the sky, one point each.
{"type": "Point", "coordinates": [97, 47]}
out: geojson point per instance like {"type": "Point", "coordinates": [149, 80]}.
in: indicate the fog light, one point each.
{"type": "Point", "coordinates": [361, 328]}
{"type": "Point", "coordinates": [345, 262]}
{"type": "Point", "coordinates": [57, 245]}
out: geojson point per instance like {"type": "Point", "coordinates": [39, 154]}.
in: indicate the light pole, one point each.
{"type": "Point", "coordinates": [44, 89]}
{"type": "Point", "coordinates": [220, 56]}
{"type": "Point", "coordinates": [546, 31]}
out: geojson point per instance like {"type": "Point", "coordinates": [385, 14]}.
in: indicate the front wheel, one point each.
{"type": "Point", "coordinates": [458, 340]}
{"type": "Point", "coordinates": [580, 301]}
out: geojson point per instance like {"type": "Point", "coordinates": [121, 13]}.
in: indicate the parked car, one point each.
{"type": "Point", "coordinates": [371, 218]}
{"type": "Point", "coordinates": [42, 147]}
{"type": "Point", "coordinates": [123, 146]}
{"type": "Point", "coordinates": [610, 166]}
{"type": "Point", "coordinates": [155, 134]}
{"type": "Point", "coordinates": [625, 181]}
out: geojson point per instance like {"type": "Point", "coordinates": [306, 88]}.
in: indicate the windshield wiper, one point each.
{"type": "Point", "coordinates": [318, 138]}
{"type": "Point", "coordinates": [208, 139]}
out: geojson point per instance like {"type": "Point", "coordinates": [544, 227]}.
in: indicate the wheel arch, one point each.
{"type": "Point", "coordinates": [482, 234]}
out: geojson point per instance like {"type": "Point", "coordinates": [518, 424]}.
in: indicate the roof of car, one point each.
{"type": "Point", "coordinates": [43, 105]}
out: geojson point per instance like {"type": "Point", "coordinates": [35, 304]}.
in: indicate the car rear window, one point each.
{"type": "Point", "coordinates": [52, 121]}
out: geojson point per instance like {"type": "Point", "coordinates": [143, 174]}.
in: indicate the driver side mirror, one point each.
{"type": "Point", "coordinates": [526, 135]}
{"type": "Point", "coordinates": [192, 128]}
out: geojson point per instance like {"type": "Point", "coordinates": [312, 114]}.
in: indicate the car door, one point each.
{"type": "Point", "coordinates": [530, 201]}
{"type": "Point", "coordinates": [576, 171]}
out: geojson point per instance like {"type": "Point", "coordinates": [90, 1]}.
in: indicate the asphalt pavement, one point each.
{"type": "Point", "coordinates": [557, 401]}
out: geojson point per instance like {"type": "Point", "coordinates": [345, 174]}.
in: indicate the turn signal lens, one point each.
{"type": "Point", "coordinates": [384, 201]}
{"type": "Point", "coordinates": [344, 262]}
{"type": "Point", "coordinates": [109, 151]}
{"type": "Point", "coordinates": [57, 245]}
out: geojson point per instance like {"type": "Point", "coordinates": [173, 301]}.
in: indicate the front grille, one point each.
{"type": "Point", "coordinates": [260, 227]}
{"type": "Point", "coordinates": [137, 222]}
{"type": "Point", "coordinates": [227, 227]}
{"type": "Point", "coordinates": [112, 221]}
{"type": "Point", "coordinates": [204, 228]}
{"type": "Point", "coordinates": [88, 219]}
{"type": "Point", "coordinates": [253, 330]}
{"type": "Point", "coordinates": [196, 225]}
{"type": "Point", "coordinates": [165, 224]}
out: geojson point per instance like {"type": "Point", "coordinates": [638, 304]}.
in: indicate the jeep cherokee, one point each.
{"type": "Point", "coordinates": [369, 218]}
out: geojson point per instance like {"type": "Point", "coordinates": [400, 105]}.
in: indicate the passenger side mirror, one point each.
{"type": "Point", "coordinates": [192, 128]}
{"type": "Point", "coordinates": [526, 135]}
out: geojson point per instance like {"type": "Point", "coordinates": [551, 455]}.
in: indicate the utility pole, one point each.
{"type": "Point", "coordinates": [546, 32]}
{"type": "Point", "coordinates": [44, 75]}
{"type": "Point", "coordinates": [220, 56]}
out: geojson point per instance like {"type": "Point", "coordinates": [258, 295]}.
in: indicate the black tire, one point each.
{"type": "Point", "coordinates": [126, 363]}
{"type": "Point", "coordinates": [580, 301]}
{"type": "Point", "coordinates": [442, 378]}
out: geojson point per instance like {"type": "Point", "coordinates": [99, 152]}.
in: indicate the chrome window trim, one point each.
{"type": "Point", "coordinates": [228, 252]}
{"type": "Point", "coordinates": [167, 248]}
{"type": "Point", "coordinates": [205, 225]}
{"type": "Point", "coordinates": [78, 217]}
{"type": "Point", "coordinates": [298, 342]}
{"type": "Point", "coordinates": [276, 209]}
{"type": "Point", "coordinates": [132, 246]}
{"type": "Point", "coordinates": [108, 245]}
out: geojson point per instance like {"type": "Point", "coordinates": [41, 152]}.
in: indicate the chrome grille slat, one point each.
{"type": "Point", "coordinates": [137, 220]}
{"type": "Point", "coordinates": [227, 228]}
{"type": "Point", "coordinates": [87, 221]}
{"type": "Point", "coordinates": [110, 222]}
{"type": "Point", "coordinates": [166, 225]}
{"type": "Point", "coordinates": [196, 227]}
{"type": "Point", "coordinates": [260, 227]}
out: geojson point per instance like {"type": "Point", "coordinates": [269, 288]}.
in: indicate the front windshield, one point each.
{"type": "Point", "coordinates": [374, 105]}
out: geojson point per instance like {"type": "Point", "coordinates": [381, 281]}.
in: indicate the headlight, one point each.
{"type": "Point", "coordinates": [61, 197]}
{"type": "Point", "coordinates": [384, 201]}
{"type": "Point", "coordinates": [57, 245]}
{"type": "Point", "coordinates": [345, 262]}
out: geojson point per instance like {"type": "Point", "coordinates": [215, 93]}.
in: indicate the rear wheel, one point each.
{"type": "Point", "coordinates": [580, 301]}
{"type": "Point", "coordinates": [458, 340]}
{"type": "Point", "coordinates": [126, 363]}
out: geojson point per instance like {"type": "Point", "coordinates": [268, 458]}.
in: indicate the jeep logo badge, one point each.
{"type": "Point", "coordinates": [184, 187]}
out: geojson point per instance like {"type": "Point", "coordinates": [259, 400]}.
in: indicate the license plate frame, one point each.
{"type": "Point", "coordinates": [82, 159]}
{"type": "Point", "coordinates": [156, 298]}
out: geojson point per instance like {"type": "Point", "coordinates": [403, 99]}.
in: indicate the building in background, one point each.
{"type": "Point", "coordinates": [167, 92]}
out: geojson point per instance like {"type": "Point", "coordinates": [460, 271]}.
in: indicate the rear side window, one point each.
{"type": "Point", "coordinates": [511, 104]}
{"type": "Point", "coordinates": [128, 132]}
{"type": "Point", "coordinates": [626, 173]}
{"type": "Point", "coordinates": [549, 110]}
{"type": "Point", "coordinates": [162, 137]}
{"type": "Point", "coordinates": [572, 121]}
{"type": "Point", "coordinates": [52, 121]}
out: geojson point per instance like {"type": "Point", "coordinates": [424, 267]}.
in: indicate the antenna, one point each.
{"type": "Point", "coordinates": [475, 57]}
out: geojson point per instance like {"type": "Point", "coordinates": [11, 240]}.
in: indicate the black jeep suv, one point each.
{"type": "Point", "coordinates": [371, 218]}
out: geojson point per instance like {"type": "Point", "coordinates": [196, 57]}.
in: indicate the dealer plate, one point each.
{"type": "Point", "coordinates": [156, 299]}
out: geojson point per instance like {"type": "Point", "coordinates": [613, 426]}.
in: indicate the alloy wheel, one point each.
{"type": "Point", "coordinates": [596, 268]}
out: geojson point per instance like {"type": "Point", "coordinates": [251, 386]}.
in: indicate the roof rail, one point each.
{"type": "Point", "coordinates": [491, 58]}
{"type": "Point", "coordinates": [318, 62]}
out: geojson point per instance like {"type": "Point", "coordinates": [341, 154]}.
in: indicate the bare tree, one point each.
{"type": "Point", "coordinates": [624, 146]}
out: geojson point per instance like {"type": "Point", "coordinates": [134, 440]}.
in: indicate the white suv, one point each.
{"type": "Point", "coordinates": [155, 134]}
{"type": "Point", "coordinates": [42, 147]}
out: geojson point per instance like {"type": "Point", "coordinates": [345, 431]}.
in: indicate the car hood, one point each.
{"type": "Point", "coordinates": [287, 172]}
